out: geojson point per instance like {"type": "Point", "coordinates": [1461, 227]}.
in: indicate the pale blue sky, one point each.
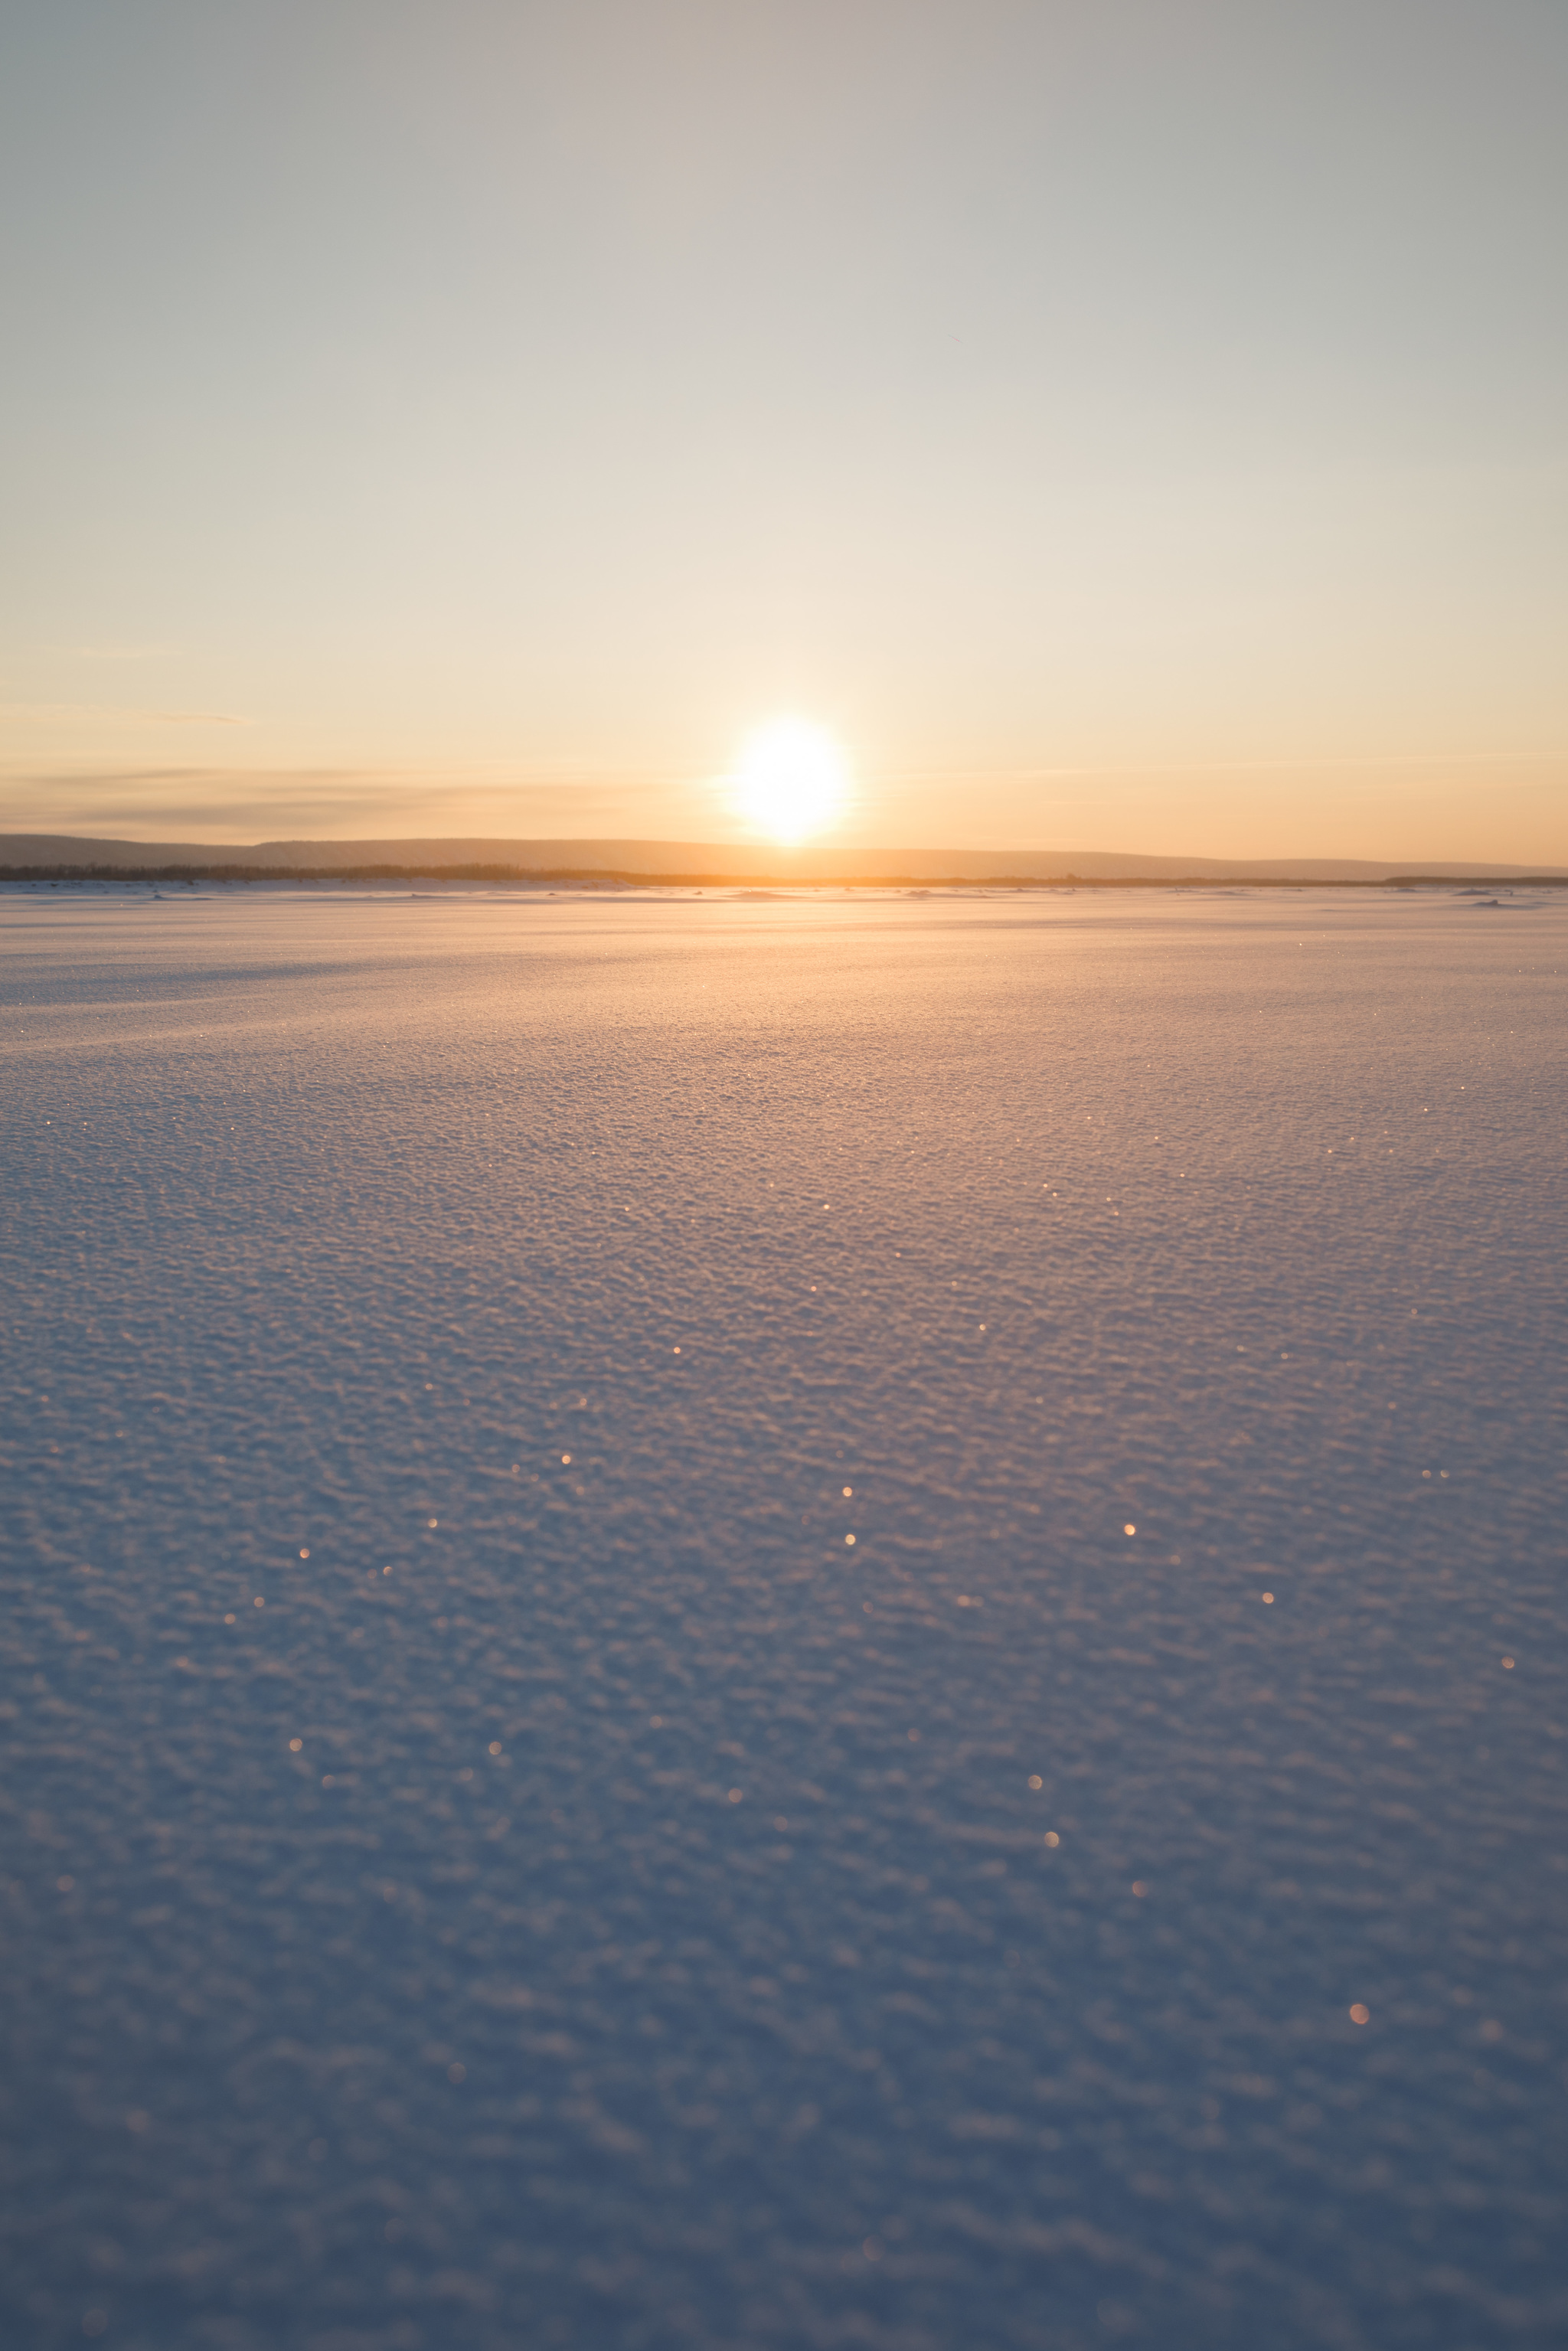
{"type": "Point", "coordinates": [1130, 426]}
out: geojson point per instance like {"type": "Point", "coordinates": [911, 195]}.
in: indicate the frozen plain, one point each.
{"type": "Point", "coordinates": [593, 1902]}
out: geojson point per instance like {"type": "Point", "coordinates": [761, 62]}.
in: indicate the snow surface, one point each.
{"type": "Point", "coordinates": [593, 1902]}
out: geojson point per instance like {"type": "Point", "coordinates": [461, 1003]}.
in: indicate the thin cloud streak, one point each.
{"type": "Point", "coordinates": [1423, 760]}
{"type": "Point", "coordinates": [1395, 808]}
{"type": "Point", "coordinates": [131, 652]}
{"type": "Point", "coordinates": [97, 713]}
{"type": "Point", "coordinates": [322, 804]}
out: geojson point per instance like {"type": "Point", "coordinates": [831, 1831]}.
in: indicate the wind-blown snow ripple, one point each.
{"type": "Point", "coordinates": [488, 1862]}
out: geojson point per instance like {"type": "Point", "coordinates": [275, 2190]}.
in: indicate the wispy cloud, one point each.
{"type": "Point", "coordinates": [1423, 811]}
{"type": "Point", "coordinates": [112, 652]}
{"type": "Point", "coordinates": [100, 714]}
{"type": "Point", "coordinates": [248, 805]}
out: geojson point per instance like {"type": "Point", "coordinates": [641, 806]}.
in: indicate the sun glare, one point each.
{"type": "Point", "coordinates": [791, 779]}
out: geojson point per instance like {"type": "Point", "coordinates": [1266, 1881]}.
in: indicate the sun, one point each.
{"type": "Point", "coordinates": [791, 779]}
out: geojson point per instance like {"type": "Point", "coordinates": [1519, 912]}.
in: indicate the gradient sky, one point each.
{"type": "Point", "coordinates": [1131, 426]}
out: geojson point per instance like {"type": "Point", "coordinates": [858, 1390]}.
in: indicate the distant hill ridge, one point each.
{"type": "Point", "coordinates": [39, 854]}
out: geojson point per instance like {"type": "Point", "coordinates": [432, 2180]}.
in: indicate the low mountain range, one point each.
{"type": "Point", "coordinates": [704, 861]}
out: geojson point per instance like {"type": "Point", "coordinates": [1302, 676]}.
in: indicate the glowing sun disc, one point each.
{"type": "Point", "coordinates": [791, 779]}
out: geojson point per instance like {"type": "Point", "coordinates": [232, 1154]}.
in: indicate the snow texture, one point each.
{"type": "Point", "coordinates": [595, 1902]}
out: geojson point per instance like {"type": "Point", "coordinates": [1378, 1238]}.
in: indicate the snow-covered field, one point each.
{"type": "Point", "coordinates": [784, 1623]}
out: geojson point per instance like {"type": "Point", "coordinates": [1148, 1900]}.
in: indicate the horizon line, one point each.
{"type": "Point", "coordinates": [53, 856]}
